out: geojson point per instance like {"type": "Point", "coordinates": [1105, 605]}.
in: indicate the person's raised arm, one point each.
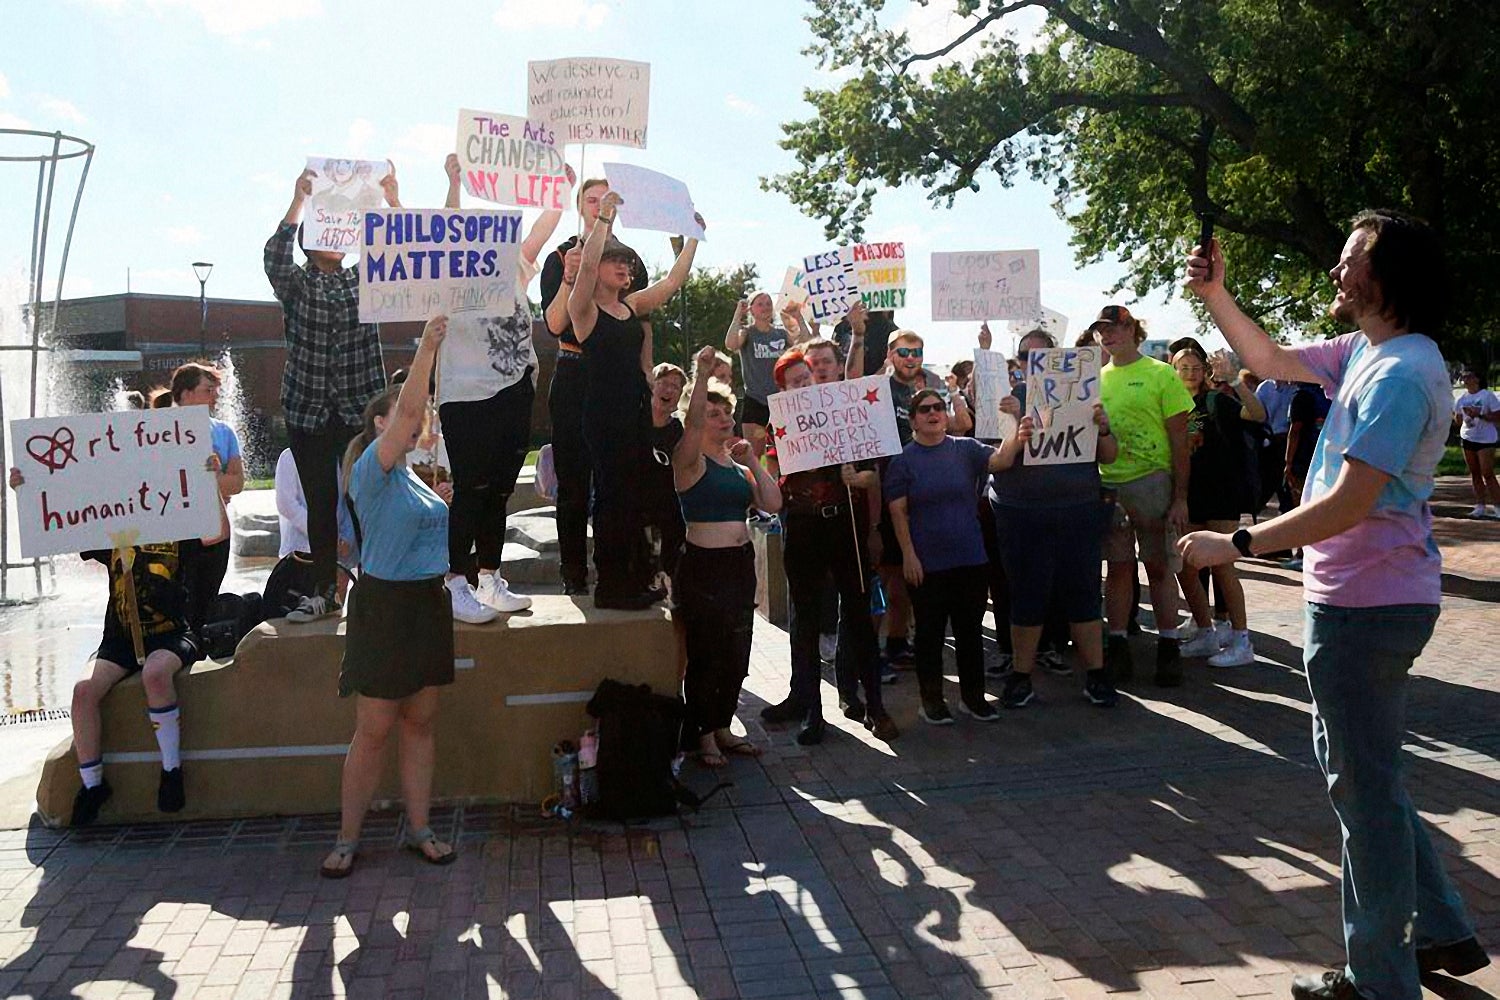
{"type": "Point", "coordinates": [583, 312]}
{"type": "Point", "coordinates": [557, 306]}
{"type": "Point", "coordinates": [653, 297]}
{"type": "Point", "coordinates": [854, 365]}
{"type": "Point", "coordinates": [687, 456]}
{"type": "Point", "coordinates": [734, 337]}
{"type": "Point", "coordinates": [390, 188]}
{"type": "Point", "coordinates": [796, 328]}
{"type": "Point", "coordinates": [1261, 354]}
{"type": "Point", "coordinates": [455, 181]}
{"type": "Point", "coordinates": [287, 279]}
{"type": "Point", "coordinates": [1004, 457]}
{"type": "Point", "coordinates": [407, 415]}
{"type": "Point", "coordinates": [648, 359]}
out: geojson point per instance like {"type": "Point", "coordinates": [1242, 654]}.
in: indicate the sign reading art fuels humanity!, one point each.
{"type": "Point", "coordinates": [91, 478]}
{"type": "Point", "coordinates": [834, 423]}
{"type": "Point", "coordinates": [1000, 284]}
{"type": "Point", "coordinates": [590, 100]}
{"type": "Point", "coordinates": [512, 161]}
{"type": "Point", "coordinates": [417, 263]}
{"type": "Point", "coordinates": [1062, 386]}
{"type": "Point", "coordinates": [830, 285]}
{"type": "Point", "coordinates": [879, 273]}
{"type": "Point", "coordinates": [342, 191]}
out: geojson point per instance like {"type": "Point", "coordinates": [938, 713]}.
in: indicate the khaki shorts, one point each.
{"type": "Point", "coordinates": [1140, 517]}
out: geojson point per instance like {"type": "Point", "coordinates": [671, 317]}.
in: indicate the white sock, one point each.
{"type": "Point", "coordinates": [1168, 633]}
{"type": "Point", "coordinates": [92, 772]}
{"type": "Point", "coordinates": [168, 735]}
{"type": "Point", "coordinates": [1242, 636]}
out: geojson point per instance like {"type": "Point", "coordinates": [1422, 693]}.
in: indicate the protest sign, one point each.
{"type": "Point", "coordinates": [830, 284]}
{"type": "Point", "coordinates": [91, 477]}
{"type": "Point", "coordinates": [991, 381]}
{"type": "Point", "coordinates": [512, 161]}
{"type": "Point", "coordinates": [793, 292]}
{"type": "Point", "coordinates": [590, 100]}
{"type": "Point", "coordinates": [1000, 284]}
{"type": "Point", "coordinates": [834, 423]}
{"type": "Point", "coordinates": [879, 273]}
{"type": "Point", "coordinates": [417, 263]}
{"type": "Point", "coordinates": [342, 191]}
{"type": "Point", "coordinates": [1062, 386]}
{"type": "Point", "coordinates": [1050, 320]}
{"type": "Point", "coordinates": [649, 200]}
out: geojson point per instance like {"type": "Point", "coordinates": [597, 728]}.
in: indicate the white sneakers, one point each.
{"type": "Point", "coordinates": [1204, 643]}
{"type": "Point", "coordinates": [310, 609]}
{"type": "Point", "coordinates": [495, 591]}
{"type": "Point", "coordinates": [1238, 652]}
{"type": "Point", "coordinates": [465, 607]}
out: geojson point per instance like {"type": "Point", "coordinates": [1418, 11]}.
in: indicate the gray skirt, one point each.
{"type": "Point", "coordinates": [398, 638]}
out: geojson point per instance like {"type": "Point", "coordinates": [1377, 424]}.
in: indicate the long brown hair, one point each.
{"type": "Point", "coordinates": [186, 378]}
{"type": "Point", "coordinates": [380, 406]}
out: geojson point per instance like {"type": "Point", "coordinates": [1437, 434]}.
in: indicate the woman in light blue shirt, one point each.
{"type": "Point", "coordinates": [399, 645]}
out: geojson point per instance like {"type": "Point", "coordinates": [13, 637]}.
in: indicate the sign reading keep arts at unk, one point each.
{"type": "Point", "coordinates": [419, 263]}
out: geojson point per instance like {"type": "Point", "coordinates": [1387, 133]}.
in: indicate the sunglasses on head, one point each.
{"type": "Point", "coordinates": [931, 408]}
{"type": "Point", "coordinates": [908, 352]}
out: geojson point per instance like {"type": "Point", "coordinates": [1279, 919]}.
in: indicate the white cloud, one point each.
{"type": "Point", "coordinates": [57, 107]}
{"type": "Point", "coordinates": [184, 235]}
{"type": "Point", "coordinates": [8, 120]}
{"type": "Point", "coordinates": [739, 105]}
{"type": "Point", "coordinates": [427, 142]}
{"type": "Point", "coordinates": [357, 143]}
{"type": "Point", "coordinates": [520, 15]}
{"type": "Point", "coordinates": [224, 17]}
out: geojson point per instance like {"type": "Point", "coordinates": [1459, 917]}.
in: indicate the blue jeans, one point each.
{"type": "Point", "coordinates": [1396, 897]}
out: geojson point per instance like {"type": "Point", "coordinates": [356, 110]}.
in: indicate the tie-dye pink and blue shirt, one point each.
{"type": "Point", "coordinates": [1391, 411]}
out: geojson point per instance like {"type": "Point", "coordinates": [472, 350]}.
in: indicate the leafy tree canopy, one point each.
{"type": "Point", "coordinates": [1281, 117]}
{"type": "Point", "coordinates": [706, 301]}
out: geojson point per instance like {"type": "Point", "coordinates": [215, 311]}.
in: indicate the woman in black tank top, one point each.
{"type": "Point", "coordinates": [606, 319]}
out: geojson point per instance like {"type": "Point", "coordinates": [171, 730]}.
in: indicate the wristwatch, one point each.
{"type": "Point", "coordinates": [1241, 540]}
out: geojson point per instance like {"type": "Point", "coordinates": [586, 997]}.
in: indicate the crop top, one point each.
{"type": "Point", "coordinates": [722, 493]}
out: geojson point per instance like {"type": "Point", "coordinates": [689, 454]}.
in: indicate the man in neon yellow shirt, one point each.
{"type": "Point", "coordinates": [1148, 411]}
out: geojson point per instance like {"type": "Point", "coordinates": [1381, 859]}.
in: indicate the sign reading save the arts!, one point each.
{"type": "Point", "coordinates": [834, 423]}
{"type": "Point", "coordinates": [91, 478]}
{"type": "Point", "coordinates": [590, 100]}
{"type": "Point", "coordinates": [1062, 386]}
{"type": "Point", "coordinates": [879, 273]}
{"type": "Point", "coordinates": [417, 263]}
{"type": "Point", "coordinates": [342, 191]}
{"type": "Point", "coordinates": [512, 161]}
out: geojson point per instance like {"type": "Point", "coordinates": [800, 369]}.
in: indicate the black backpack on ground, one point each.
{"type": "Point", "coordinates": [639, 733]}
{"type": "Point", "coordinates": [230, 618]}
{"type": "Point", "coordinates": [291, 580]}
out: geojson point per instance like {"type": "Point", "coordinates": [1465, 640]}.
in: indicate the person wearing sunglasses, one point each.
{"type": "Point", "coordinates": [931, 490]}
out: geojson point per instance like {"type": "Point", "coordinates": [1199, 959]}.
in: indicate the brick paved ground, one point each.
{"type": "Point", "coordinates": [1178, 846]}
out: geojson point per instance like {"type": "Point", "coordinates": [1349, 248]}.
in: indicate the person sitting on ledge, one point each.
{"type": "Point", "coordinates": [145, 632]}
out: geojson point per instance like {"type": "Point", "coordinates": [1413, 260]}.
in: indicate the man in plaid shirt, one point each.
{"type": "Point", "coordinates": [333, 369]}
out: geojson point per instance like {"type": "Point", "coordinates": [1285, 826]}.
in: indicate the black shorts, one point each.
{"type": "Point", "coordinates": [755, 412]}
{"type": "Point", "coordinates": [398, 638]}
{"type": "Point", "coordinates": [120, 651]}
{"type": "Point", "coordinates": [1051, 557]}
{"type": "Point", "coordinates": [1476, 445]}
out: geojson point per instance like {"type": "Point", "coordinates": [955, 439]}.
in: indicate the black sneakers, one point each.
{"type": "Point", "coordinates": [1117, 655]}
{"type": "Point", "coordinates": [786, 711]}
{"type": "Point", "coordinates": [1331, 985]}
{"type": "Point", "coordinates": [811, 733]}
{"type": "Point", "coordinates": [979, 708]}
{"type": "Point", "coordinates": [1098, 689]}
{"type": "Point", "coordinates": [935, 712]}
{"type": "Point", "coordinates": [1168, 663]}
{"type": "Point", "coordinates": [170, 796]}
{"type": "Point", "coordinates": [1457, 959]}
{"type": "Point", "coordinates": [88, 802]}
{"type": "Point", "coordinates": [1017, 692]}
{"type": "Point", "coordinates": [852, 707]}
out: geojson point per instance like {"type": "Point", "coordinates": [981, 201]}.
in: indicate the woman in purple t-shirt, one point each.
{"type": "Point", "coordinates": [931, 487]}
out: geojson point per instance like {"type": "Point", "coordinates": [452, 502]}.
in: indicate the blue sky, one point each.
{"type": "Point", "coordinates": [204, 110]}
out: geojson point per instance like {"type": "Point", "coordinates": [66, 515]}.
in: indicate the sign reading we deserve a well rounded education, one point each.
{"type": "Point", "coordinates": [591, 100]}
{"type": "Point", "coordinates": [94, 478]}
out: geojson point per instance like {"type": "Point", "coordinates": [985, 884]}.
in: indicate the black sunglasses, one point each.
{"type": "Point", "coordinates": [931, 408]}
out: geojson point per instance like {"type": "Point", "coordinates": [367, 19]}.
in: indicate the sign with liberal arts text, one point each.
{"type": "Point", "coordinates": [991, 383]}
{"type": "Point", "coordinates": [998, 284]}
{"type": "Point", "coordinates": [417, 263]}
{"type": "Point", "coordinates": [830, 284]}
{"type": "Point", "coordinates": [590, 100]}
{"type": "Point", "coordinates": [109, 480]}
{"type": "Point", "coordinates": [834, 423]}
{"type": "Point", "coordinates": [342, 191]}
{"type": "Point", "coordinates": [512, 161]}
{"type": "Point", "coordinates": [879, 273]}
{"type": "Point", "coordinates": [1062, 386]}
{"type": "Point", "coordinates": [653, 201]}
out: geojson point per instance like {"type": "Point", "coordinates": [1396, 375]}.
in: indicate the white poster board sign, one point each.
{"type": "Point", "coordinates": [1062, 386]}
{"type": "Point", "coordinates": [830, 284]}
{"type": "Point", "coordinates": [590, 100]}
{"type": "Point", "coordinates": [999, 284]}
{"type": "Point", "coordinates": [834, 423]}
{"type": "Point", "coordinates": [512, 161]}
{"type": "Point", "coordinates": [1054, 322]}
{"type": "Point", "coordinates": [342, 191]}
{"type": "Point", "coordinates": [879, 273]}
{"type": "Point", "coordinates": [653, 201]}
{"type": "Point", "coordinates": [94, 480]}
{"type": "Point", "coordinates": [991, 381]}
{"type": "Point", "coordinates": [417, 263]}
{"type": "Point", "coordinates": [794, 292]}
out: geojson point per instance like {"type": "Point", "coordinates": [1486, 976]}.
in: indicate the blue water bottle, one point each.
{"type": "Point", "coordinates": [877, 596]}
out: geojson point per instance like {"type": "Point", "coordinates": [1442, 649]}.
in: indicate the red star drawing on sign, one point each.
{"type": "Point", "coordinates": [781, 432]}
{"type": "Point", "coordinates": [873, 396]}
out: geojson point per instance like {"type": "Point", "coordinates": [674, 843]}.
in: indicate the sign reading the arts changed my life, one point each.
{"type": "Point", "coordinates": [833, 423]}
{"type": "Point", "coordinates": [91, 478]}
{"type": "Point", "coordinates": [590, 100]}
{"type": "Point", "coordinates": [417, 263]}
{"type": "Point", "coordinates": [512, 161]}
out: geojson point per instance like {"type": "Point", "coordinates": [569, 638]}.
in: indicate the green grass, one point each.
{"type": "Point", "coordinates": [1452, 463]}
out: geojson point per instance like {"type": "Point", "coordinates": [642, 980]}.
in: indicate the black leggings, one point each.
{"type": "Point", "coordinates": [715, 594]}
{"type": "Point", "coordinates": [955, 595]}
{"type": "Point", "coordinates": [203, 569]}
{"type": "Point", "coordinates": [570, 460]}
{"type": "Point", "coordinates": [813, 547]}
{"type": "Point", "coordinates": [614, 430]}
{"type": "Point", "coordinates": [487, 441]}
{"type": "Point", "coordinates": [318, 455]}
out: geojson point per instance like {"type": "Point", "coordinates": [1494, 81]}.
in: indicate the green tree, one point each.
{"type": "Point", "coordinates": [1280, 117]}
{"type": "Point", "coordinates": [706, 301]}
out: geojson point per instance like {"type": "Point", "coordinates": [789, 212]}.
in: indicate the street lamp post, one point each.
{"type": "Point", "coordinates": [202, 269]}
